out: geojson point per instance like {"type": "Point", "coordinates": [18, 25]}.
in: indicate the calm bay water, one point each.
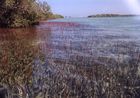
{"type": "Point", "coordinates": [97, 37]}
{"type": "Point", "coordinates": [58, 47]}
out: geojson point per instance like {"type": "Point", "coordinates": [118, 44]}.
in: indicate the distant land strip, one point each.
{"type": "Point", "coordinates": [112, 15]}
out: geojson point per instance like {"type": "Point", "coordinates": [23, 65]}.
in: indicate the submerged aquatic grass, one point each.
{"type": "Point", "coordinates": [69, 60]}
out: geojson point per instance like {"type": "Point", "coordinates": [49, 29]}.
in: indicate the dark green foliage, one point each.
{"type": "Point", "coordinates": [23, 13]}
{"type": "Point", "coordinates": [18, 13]}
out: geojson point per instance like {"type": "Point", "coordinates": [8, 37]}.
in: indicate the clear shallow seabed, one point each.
{"type": "Point", "coordinates": [95, 37]}
{"type": "Point", "coordinates": [57, 47]}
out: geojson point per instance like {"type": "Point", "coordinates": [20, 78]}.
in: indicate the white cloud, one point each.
{"type": "Point", "coordinates": [133, 5]}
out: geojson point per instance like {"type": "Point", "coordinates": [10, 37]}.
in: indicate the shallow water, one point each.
{"type": "Point", "coordinates": [95, 37]}
{"type": "Point", "coordinates": [64, 42]}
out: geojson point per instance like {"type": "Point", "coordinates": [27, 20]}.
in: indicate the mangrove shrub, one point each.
{"type": "Point", "coordinates": [20, 13]}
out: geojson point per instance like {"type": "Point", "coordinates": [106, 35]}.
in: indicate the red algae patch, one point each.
{"type": "Point", "coordinates": [61, 24]}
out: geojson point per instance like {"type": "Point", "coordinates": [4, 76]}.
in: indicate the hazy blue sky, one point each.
{"type": "Point", "coordinates": [89, 7]}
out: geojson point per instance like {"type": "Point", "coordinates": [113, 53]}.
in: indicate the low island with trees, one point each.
{"type": "Point", "coordinates": [111, 15]}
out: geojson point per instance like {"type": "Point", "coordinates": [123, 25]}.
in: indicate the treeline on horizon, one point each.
{"type": "Point", "coordinates": [112, 15]}
{"type": "Point", "coordinates": [22, 13]}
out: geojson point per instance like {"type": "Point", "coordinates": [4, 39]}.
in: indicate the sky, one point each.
{"type": "Point", "coordinates": [82, 8]}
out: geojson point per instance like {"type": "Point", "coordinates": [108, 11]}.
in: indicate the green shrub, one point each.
{"type": "Point", "coordinates": [21, 13]}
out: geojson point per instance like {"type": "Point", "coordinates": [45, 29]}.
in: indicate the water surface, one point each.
{"type": "Point", "coordinates": [66, 49]}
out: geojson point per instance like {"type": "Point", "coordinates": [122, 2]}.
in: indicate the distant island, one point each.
{"type": "Point", "coordinates": [111, 15]}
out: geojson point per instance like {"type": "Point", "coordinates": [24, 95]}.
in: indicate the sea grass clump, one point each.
{"type": "Point", "coordinates": [17, 57]}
